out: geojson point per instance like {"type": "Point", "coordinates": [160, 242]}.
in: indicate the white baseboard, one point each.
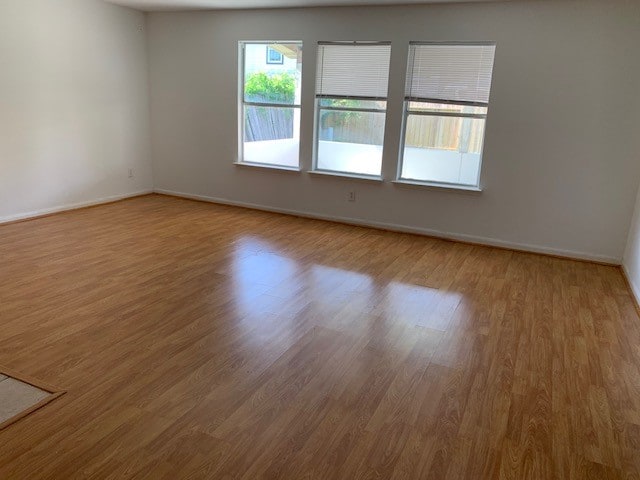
{"type": "Point", "coordinates": [71, 206]}
{"type": "Point", "coordinates": [635, 288]}
{"type": "Point", "coordinates": [492, 242]}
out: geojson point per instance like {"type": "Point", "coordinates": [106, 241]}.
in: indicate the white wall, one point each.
{"type": "Point", "coordinates": [559, 172]}
{"type": "Point", "coordinates": [74, 109]}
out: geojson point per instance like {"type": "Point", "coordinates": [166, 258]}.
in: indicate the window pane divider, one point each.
{"type": "Point", "coordinates": [445, 102]}
{"type": "Point", "coordinates": [352, 97]}
{"type": "Point", "coordinates": [447, 114]}
{"type": "Point", "coordinates": [353, 109]}
{"type": "Point", "coordinates": [264, 104]}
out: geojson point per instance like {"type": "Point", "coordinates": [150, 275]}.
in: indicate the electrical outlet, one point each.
{"type": "Point", "coordinates": [131, 173]}
{"type": "Point", "coordinates": [352, 196]}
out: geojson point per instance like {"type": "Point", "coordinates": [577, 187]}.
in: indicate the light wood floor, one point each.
{"type": "Point", "coordinates": [202, 341]}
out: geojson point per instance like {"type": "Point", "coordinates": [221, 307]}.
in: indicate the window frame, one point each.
{"type": "Point", "coordinates": [318, 108]}
{"type": "Point", "coordinates": [242, 103]}
{"type": "Point", "coordinates": [407, 111]}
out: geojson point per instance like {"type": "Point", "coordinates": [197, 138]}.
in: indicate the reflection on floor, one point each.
{"type": "Point", "coordinates": [203, 341]}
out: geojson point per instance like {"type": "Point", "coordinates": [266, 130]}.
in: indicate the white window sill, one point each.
{"type": "Point", "coordinates": [354, 176]}
{"type": "Point", "coordinates": [436, 185]}
{"type": "Point", "coordinates": [268, 166]}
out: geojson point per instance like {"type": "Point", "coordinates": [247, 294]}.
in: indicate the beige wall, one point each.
{"type": "Point", "coordinates": [74, 108]}
{"type": "Point", "coordinates": [559, 171]}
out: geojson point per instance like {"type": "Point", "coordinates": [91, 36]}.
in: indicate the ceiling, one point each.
{"type": "Point", "coordinates": [156, 5]}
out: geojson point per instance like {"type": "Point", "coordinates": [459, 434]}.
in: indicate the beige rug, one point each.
{"type": "Point", "coordinates": [20, 396]}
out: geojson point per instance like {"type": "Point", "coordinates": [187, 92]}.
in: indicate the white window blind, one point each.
{"type": "Point", "coordinates": [450, 73]}
{"type": "Point", "coordinates": [358, 70]}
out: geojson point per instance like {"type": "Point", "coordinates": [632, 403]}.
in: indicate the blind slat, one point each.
{"type": "Point", "coordinates": [454, 73]}
{"type": "Point", "coordinates": [353, 70]}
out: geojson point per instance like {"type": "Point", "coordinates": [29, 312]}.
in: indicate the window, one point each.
{"type": "Point", "coordinates": [270, 103]}
{"type": "Point", "coordinates": [274, 57]}
{"type": "Point", "coordinates": [446, 101]}
{"type": "Point", "coordinates": [351, 104]}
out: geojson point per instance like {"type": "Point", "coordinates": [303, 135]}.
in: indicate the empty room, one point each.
{"type": "Point", "coordinates": [326, 239]}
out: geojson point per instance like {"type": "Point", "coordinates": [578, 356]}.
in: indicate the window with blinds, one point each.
{"type": "Point", "coordinates": [446, 102]}
{"type": "Point", "coordinates": [351, 104]}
